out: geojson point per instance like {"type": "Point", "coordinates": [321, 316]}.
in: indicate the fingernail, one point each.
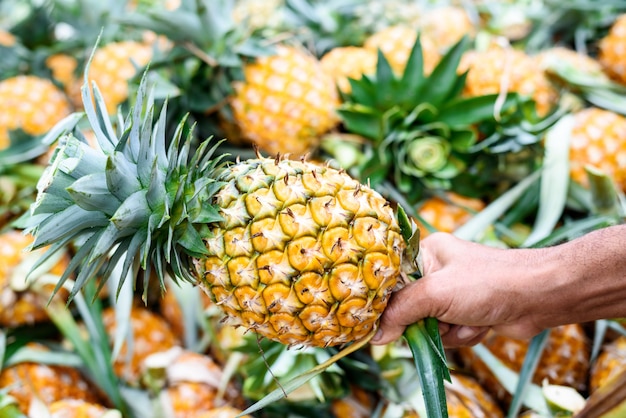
{"type": "Point", "coordinates": [378, 336]}
{"type": "Point", "coordinates": [465, 332]}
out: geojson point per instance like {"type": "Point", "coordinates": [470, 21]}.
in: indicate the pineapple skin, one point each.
{"type": "Point", "coordinates": [150, 334]}
{"type": "Point", "coordinates": [611, 50]}
{"type": "Point", "coordinates": [111, 68]}
{"type": "Point", "coordinates": [565, 360]}
{"type": "Point", "coordinates": [396, 43]}
{"type": "Point", "coordinates": [449, 212]}
{"type": "Point", "coordinates": [610, 362]}
{"type": "Point", "coordinates": [305, 255]}
{"type": "Point", "coordinates": [345, 62]}
{"type": "Point", "coordinates": [30, 103]}
{"type": "Point", "coordinates": [76, 408]}
{"type": "Point", "coordinates": [505, 69]}
{"type": "Point", "coordinates": [21, 302]}
{"type": "Point", "coordinates": [598, 139]}
{"type": "Point", "coordinates": [50, 383]}
{"type": "Point", "coordinates": [285, 103]}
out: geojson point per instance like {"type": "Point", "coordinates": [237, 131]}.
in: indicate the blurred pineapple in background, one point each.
{"type": "Point", "coordinates": [79, 408]}
{"type": "Point", "coordinates": [285, 102]}
{"type": "Point", "coordinates": [32, 382]}
{"type": "Point", "coordinates": [504, 69]}
{"type": "Point", "coordinates": [185, 382]}
{"type": "Point", "coordinates": [23, 299]}
{"type": "Point", "coordinates": [610, 362]}
{"type": "Point", "coordinates": [598, 139]}
{"type": "Point", "coordinates": [149, 334]}
{"type": "Point", "coordinates": [349, 62]}
{"type": "Point", "coordinates": [611, 50]}
{"type": "Point", "coordinates": [396, 43]}
{"type": "Point", "coordinates": [564, 361]}
{"type": "Point", "coordinates": [448, 212]}
{"type": "Point", "coordinates": [446, 25]}
{"type": "Point", "coordinates": [30, 104]}
{"type": "Point", "coordinates": [112, 67]}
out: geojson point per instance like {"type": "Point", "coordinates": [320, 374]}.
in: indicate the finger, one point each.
{"type": "Point", "coordinates": [463, 336]}
{"type": "Point", "coordinates": [403, 309]}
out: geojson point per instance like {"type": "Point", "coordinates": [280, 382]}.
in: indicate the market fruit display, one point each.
{"type": "Point", "coordinates": [202, 201]}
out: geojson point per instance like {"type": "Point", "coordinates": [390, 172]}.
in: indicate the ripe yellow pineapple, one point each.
{"type": "Point", "coordinates": [504, 69]}
{"type": "Point", "coordinates": [346, 62]}
{"type": "Point", "coordinates": [63, 68]}
{"type": "Point", "coordinates": [78, 408]}
{"type": "Point", "coordinates": [611, 50]}
{"type": "Point", "coordinates": [300, 253]}
{"type": "Point", "coordinates": [396, 43]}
{"type": "Point", "coordinates": [560, 55]}
{"type": "Point", "coordinates": [150, 334]}
{"type": "Point", "coordinates": [610, 362]}
{"type": "Point", "coordinates": [22, 301]}
{"type": "Point", "coordinates": [564, 361]}
{"type": "Point", "coordinates": [449, 212]}
{"type": "Point", "coordinates": [192, 382]}
{"type": "Point", "coordinates": [31, 104]}
{"type": "Point", "coordinates": [49, 383]}
{"type": "Point", "coordinates": [598, 139]}
{"type": "Point", "coordinates": [467, 399]}
{"type": "Point", "coordinates": [7, 38]}
{"type": "Point", "coordinates": [358, 404]}
{"type": "Point", "coordinates": [446, 25]}
{"type": "Point", "coordinates": [285, 102]}
{"type": "Point", "coordinates": [112, 67]}
{"type": "Point", "coordinates": [221, 412]}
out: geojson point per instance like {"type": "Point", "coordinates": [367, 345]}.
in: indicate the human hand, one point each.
{"type": "Point", "coordinates": [469, 288]}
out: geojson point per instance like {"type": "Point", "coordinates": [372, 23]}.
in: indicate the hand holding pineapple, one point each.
{"type": "Point", "coordinates": [472, 288]}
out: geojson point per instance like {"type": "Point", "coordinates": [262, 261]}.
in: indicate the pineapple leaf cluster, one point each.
{"type": "Point", "coordinates": [135, 195]}
{"type": "Point", "coordinates": [418, 126]}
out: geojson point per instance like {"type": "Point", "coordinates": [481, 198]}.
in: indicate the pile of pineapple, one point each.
{"type": "Point", "coordinates": [500, 121]}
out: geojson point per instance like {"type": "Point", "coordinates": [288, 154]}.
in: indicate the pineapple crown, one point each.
{"type": "Point", "coordinates": [133, 199]}
{"type": "Point", "coordinates": [422, 133]}
{"type": "Point", "coordinates": [419, 127]}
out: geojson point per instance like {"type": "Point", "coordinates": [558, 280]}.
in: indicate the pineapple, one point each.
{"type": "Point", "coordinates": [31, 104]}
{"type": "Point", "coordinates": [285, 103]}
{"type": "Point", "coordinates": [149, 334]}
{"type": "Point", "coordinates": [598, 139]}
{"type": "Point", "coordinates": [343, 63]}
{"type": "Point", "coordinates": [446, 25]}
{"type": "Point", "coordinates": [448, 212]}
{"type": "Point", "coordinates": [221, 412]}
{"type": "Point", "coordinates": [611, 46]}
{"type": "Point", "coordinates": [78, 408]}
{"type": "Point", "coordinates": [358, 404]}
{"type": "Point", "coordinates": [192, 382]}
{"type": "Point", "coordinates": [396, 43]}
{"type": "Point", "coordinates": [564, 361]}
{"type": "Point", "coordinates": [300, 253]}
{"type": "Point", "coordinates": [112, 67]}
{"type": "Point", "coordinates": [26, 381]}
{"type": "Point", "coordinates": [23, 299]}
{"type": "Point", "coordinates": [7, 39]}
{"type": "Point", "coordinates": [505, 69]}
{"type": "Point", "coordinates": [275, 95]}
{"type": "Point", "coordinates": [466, 399]}
{"type": "Point", "coordinates": [610, 362]}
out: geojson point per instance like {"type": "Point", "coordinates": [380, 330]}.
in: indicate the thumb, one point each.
{"type": "Point", "coordinates": [407, 306]}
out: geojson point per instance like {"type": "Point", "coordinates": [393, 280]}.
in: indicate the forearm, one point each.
{"type": "Point", "coordinates": [582, 280]}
